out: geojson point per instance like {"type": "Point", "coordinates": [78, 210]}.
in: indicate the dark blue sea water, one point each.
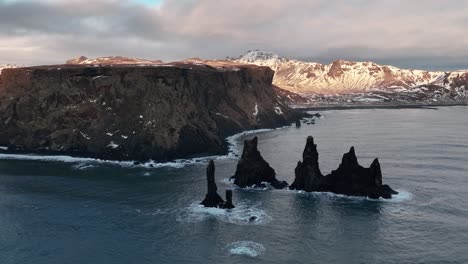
{"type": "Point", "coordinates": [79, 211]}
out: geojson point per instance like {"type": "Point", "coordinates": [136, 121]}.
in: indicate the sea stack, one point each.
{"type": "Point", "coordinates": [349, 179]}
{"type": "Point", "coordinates": [308, 175]}
{"type": "Point", "coordinates": [298, 123]}
{"type": "Point", "coordinates": [352, 179]}
{"type": "Point", "coordinates": [212, 199]}
{"type": "Point", "coordinates": [253, 170]}
{"type": "Point", "coordinates": [228, 204]}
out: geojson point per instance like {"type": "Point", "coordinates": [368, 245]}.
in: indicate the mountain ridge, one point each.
{"type": "Point", "coordinates": [339, 82]}
{"type": "Point", "coordinates": [342, 75]}
{"type": "Point", "coordinates": [345, 81]}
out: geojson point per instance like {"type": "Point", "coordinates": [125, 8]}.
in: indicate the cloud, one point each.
{"type": "Point", "coordinates": [393, 31]}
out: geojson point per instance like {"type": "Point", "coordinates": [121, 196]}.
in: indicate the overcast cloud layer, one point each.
{"type": "Point", "coordinates": [413, 34]}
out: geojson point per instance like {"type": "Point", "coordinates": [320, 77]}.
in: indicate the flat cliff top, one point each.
{"type": "Point", "coordinates": [215, 65]}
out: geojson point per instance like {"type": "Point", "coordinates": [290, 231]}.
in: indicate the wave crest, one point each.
{"type": "Point", "coordinates": [242, 214]}
{"type": "Point", "coordinates": [246, 248]}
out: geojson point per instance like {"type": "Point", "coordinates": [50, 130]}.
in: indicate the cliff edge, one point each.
{"type": "Point", "coordinates": [135, 112]}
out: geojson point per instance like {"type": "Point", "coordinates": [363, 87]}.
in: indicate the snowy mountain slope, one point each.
{"type": "Point", "coordinates": [340, 76]}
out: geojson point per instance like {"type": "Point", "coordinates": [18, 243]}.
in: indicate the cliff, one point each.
{"type": "Point", "coordinates": [129, 112]}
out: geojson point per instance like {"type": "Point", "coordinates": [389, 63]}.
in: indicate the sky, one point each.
{"type": "Point", "coordinates": [425, 34]}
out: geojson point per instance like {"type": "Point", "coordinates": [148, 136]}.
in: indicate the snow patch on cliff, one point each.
{"type": "Point", "coordinates": [278, 110]}
{"type": "Point", "coordinates": [255, 112]}
{"type": "Point", "coordinates": [113, 145]}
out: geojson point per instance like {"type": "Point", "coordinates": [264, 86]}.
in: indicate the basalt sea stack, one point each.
{"type": "Point", "coordinates": [308, 175]}
{"type": "Point", "coordinates": [212, 199]}
{"type": "Point", "coordinates": [349, 179]}
{"type": "Point", "coordinates": [253, 170]}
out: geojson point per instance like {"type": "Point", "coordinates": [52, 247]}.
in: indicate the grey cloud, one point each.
{"type": "Point", "coordinates": [405, 33]}
{"type": "Point", "coordinates": [82, 18]}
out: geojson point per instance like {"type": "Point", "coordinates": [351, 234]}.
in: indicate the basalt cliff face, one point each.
{"type": "Point", "coordinates": [129, 112]}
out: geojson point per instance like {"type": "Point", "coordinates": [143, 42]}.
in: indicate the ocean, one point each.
{"type": "Point", "coordinates": [72, 210]}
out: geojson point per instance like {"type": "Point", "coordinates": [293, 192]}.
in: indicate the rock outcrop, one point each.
{"type": "Point", "coordinates": [212, 199]}
{"type": "Point", "coordinates": [252, 170]}
{"type": "Point", "coordinates": [135, 112]}
{"type": "Point", "coordinates": [298, 123]}
{"type": "Point", "coordinates": [309, 178]}
{"type": "Point", "coordinates": [228, 204]}
{"type": "Point", "coordinates": [349, 179]}
{"type": "Point", "coordinates": [6, 66]}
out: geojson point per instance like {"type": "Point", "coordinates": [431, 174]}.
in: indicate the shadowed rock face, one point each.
{"type": "Point", "coordinates": [349, 179]}
{"type": "Point", "coordinates": [298, 123]}
{"type": "Point", "coordinates": [308, 175]}
{"type": "Point", "coordinates": [228, 204]}
{"type": "Point", "coordinates": [212, 199]}
{"type": "Point", "coordinates": [253, 170]}
{"type": "Point", "coordinates": [130, 112]}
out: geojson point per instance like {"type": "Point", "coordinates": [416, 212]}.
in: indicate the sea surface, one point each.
{"type": "Point", "coordinates": [64, 210]}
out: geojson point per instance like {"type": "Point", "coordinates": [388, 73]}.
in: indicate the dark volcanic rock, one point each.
{"type": "Point", "coordinates": [349, 179]}
{"type": "Point", "coordinates": [352, 179]}
{"type": "Point", "coordinates": [228, 204]}
{"type": "Point", "coordinates": [212, 199]}
{"type": "Point", "coordinates": [253, 170]}
{"type": "Point", "coordinates": [308, 175]}
{"type": "Point", "coordinates": [129, 112]}
{"type": "Point", "coordinates": [298, 123]}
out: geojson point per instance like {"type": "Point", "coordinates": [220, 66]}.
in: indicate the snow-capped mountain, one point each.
{"type": "Point", "coordinates": [361, 81]}
{"type": "Point", "coordinates": [343, 76]}
{"type": "Point", "coordinates": [110, 60]}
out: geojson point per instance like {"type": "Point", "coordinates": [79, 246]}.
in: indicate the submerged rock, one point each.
{"type": "Point", "coordinates": [349, 179]}
{"type": "Point", "coordinates": [212, 199]}
{"type": "Point", "coordinates": [253, 170]}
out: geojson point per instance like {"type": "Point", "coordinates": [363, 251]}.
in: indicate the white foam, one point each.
{"type": "Point", "coordinates": [234, 145]}
{"type": "Point", "coordinates": [242, 214]}
{"type": "Point", "coordinates": [88, 161]}
{"type": "Point", "coordinates": [229, 181]}
{"type": "Point", "coordinates": [402, 196]}
{"type": "Point", "coordinates": [246, 248]}
{"type": "Point", "coordinates": [83, 166]}
{"type": "Point", "coordinates": [155, 212]}
{"type": "Point", "coordinates": [233, 150]}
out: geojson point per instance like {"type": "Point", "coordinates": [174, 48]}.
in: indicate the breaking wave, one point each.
{"type": "Point", "coordinates": [246, 248]}
{"type": "Point", "coordinates": [82, 163]}
{"type": "Point", "coordinates": [402, 196]}
{"type": "Point", "coordinates": [242, 214]}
